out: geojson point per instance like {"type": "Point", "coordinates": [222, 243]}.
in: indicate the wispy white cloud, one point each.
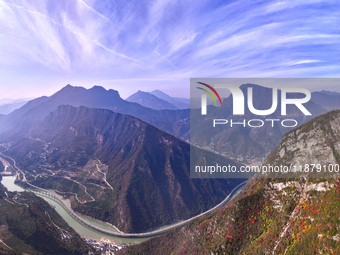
{"type": "Point", "coordinates": [169, 40]}
{"type": "Point", "coordinates": [167, 60]}
{"type": "Point", "coordinates": [47, 38]}
{"type": "Point", "coordinates": [304, 61]}
{"type": "Point", "coordinates": [91, 9]}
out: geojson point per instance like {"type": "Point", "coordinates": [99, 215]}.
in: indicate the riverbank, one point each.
{"type": "Point", "coordinates": [95, 229]}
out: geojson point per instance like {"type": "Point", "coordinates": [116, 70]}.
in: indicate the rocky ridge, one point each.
{"type": "Point", "coordinates": [272, 216]}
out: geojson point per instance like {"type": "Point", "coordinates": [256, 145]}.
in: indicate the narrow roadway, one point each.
{"type": "Point", "coordinates": [67, 207]}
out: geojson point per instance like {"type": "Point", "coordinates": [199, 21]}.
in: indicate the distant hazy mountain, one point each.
{"type": "Point", "coordinates": [147, 170]}
{"type": "Point", "coordinates": [149, 100]}
{"type": "Point", "coordinates": [328, 100]}
{"type": "Point", "coordinates": [9, 101]}
{"type": "Point", "coordinates": [180, 103]}
{"type": "Point", "coordinates": [10, 107]}
{"type": "Point", "coordinates": [239, 143]}
{"type": "Point", "coordinates": [21, 120]}
{"type": "Point", "coordinates": [251, 144]}
{"type": "Point", "coordinates": [246, 143]}
{"type": "Point", "coordinates": [331, 93]}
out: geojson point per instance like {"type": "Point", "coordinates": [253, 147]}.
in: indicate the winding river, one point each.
{"type": "Point", "coordinates": [81, 229]}
{"type": "Point", "coordinates": [8, 182]}
{"type": "Point", "coordinates": [88, 230]}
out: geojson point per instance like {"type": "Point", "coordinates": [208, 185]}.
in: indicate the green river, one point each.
{"type": "Point", "coordinates": [87, 232]}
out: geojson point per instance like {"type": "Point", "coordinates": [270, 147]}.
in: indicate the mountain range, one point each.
{"type": "Point", "coordinates": [272, 215]}
{"type": "Point", "coordinates": [17, 123]}
{"type": "Point", "coordinates": [179, 102]}
{"type": "Point", "coordinates": [114, 167]}
{"type": "Point", "coordinates": [260, 142]}
{"type": "Point", "coordinates": [328, 100]}
{"type": "Point", "coordinates": [12, 105]}
{"type": "Point", "coordinates": [151, 101]}
{"type": "Point", "coordinates": [246, 144]}
{"type": "Point", "coordinates": [117, 168]}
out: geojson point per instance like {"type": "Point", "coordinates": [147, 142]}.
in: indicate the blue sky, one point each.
{"type": "Point", "coordinates": [145, 45]}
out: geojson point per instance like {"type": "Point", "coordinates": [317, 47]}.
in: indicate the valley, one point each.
{"type": "Point", "coordinates": [169, 127]}
{"type": "Point", "coordinates": [273, 214]}
{"type": "Point", "coordinates": [116, 176]}
{"type": "Point", "coordinates": [90, 228]}
{"type": "Point", "coordinates": [106, 163]}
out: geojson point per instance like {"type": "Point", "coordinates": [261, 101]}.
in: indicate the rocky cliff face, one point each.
{"type": "Point", "coordinates": [315, 143]}
{"type": "Point", "coordinates": [272, 216]}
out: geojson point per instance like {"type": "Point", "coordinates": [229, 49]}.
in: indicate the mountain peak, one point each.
{"type": "Point", "coordinates": [98, 88]}
{"type": "Point", "coordinates": [67, 90]}
{"type": "Point", "coordinates": [330, 93]}
{"type": "Point", "coordinates": [101, 91]}
{"type": "Point", "coordinates": [70, 87]}
{"type": "Point", "coordinates": [180, 103]}
{"type": "Point", "coordinates": [151, 101]}
{"type": "Point", "coordinates": [160, 94]}
{"type": "Point", "coordinates": [158, 91]}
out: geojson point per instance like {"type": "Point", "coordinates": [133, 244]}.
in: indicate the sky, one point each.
{"type": "Point", "coordinates": [130, 45]}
